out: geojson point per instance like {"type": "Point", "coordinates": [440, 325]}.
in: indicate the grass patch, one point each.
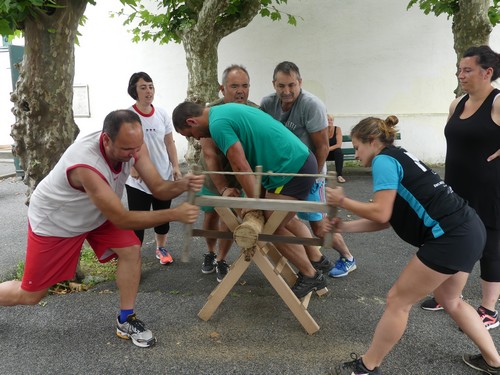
{"type": "Point", "coordinates": [351, 163]}
{"type": "Point", "coordinates": [93, 271]}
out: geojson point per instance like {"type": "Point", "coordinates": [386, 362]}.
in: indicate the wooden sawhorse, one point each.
{"type": "Point", "coordinates": [257, 246]}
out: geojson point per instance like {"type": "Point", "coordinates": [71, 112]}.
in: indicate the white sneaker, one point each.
{"type": "Point", "coordinates": [135, 329]}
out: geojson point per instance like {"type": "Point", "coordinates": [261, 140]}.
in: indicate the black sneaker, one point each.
{"type": "Point", "coordinates": [356, 367]}
{"type": "Point", "coordinates": [324, 265]}
{"type": "Point", "coordinates": [209, 263]}
{"type": "Point", "coordinates": [221, 270]}
{"type": "Point", "coordinates": [431, 305]}
{"type": "Point", "coordinates": [477, 362]}
{"type": "Point", "coordinates": [304, 285]}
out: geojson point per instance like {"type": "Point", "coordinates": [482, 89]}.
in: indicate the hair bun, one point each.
{"type": "Point", "coordinates": [391, 121]}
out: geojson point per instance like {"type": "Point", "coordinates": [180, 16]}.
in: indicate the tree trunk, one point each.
{"type": "Point", "coordinates": [200, 44]}
{"type": "Point", "coordinates": [203, 87]}
{"type": "Point", "coordinates": [43, 96]}
{"type": "Point", "coordinates": [471, 27]}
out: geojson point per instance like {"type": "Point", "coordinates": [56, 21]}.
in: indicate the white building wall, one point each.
{"type": "Point", "coordinates": [6, 116]}
{"type": "Point", "coordinates": [361, 57]}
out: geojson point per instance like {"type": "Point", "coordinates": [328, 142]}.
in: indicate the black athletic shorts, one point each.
{"type": "Point", "coordinates": [299, 187]}
{"type": "Point", "coordinates": [457, 250]}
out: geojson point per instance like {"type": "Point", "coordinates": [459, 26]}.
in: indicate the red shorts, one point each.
{"type": "Point", "coordinates": [50, 260]}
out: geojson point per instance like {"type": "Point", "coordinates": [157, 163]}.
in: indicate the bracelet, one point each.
{"type": "Point", "coordinates": [223, 190]}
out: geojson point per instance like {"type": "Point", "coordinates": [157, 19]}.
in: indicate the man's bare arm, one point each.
{"type": "Point", "coordinates": [320, 141]}
{"type": "Point", "coordinates": [163, 189]}
{"type": "Point", "coordinates": [239, 163]}
{"type": "Point", "coordinates": [112, 208]}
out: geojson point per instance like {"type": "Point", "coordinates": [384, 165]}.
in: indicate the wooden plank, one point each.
{"type": "Point", "coordinates": [287, 272]}
{"type": "Point", "coordinates": [286, 294]}
{"type": "Point", "coordinates": [280, 265]}
{"type": "Point", "coordinates": [270, 227]}
{"type": "Point", "coordinates": [261, 204]}
{"type": "Point", "coordinates": [220, 292]}
{"type": "Point", "coordinates": [207, 233]}
{"type": "Point", "coordinates": [274, 221]}
{"type": "Point", "coordinates": [228, 217]}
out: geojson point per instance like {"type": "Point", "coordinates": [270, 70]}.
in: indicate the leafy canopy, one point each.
{"type": "Point", "coordinates": [13, 13]}
{"type": "Point", "coordinates": [451, 7]}
{"type": "Point", "coordinates": [176, 17]}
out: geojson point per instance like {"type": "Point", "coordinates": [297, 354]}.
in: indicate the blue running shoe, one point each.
{"type": "Point", "coordinates": [342, 267]}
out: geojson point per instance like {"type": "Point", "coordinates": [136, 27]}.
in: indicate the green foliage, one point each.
{"type": "Point", "coordinates": [175, 17]}
{"type": "Point", "coordinates": [14, 13]}
{"type": "Point", "coordinates": [269, 10]}
{"type": "Point", "coordinates": [448, 7]}
{"type": "Point", "coordinates": [451, 7]}
{"type": "Point", "coordinates": [494, 12]}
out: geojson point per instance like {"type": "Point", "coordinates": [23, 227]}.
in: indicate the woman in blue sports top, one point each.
{"type": "Point", "coordinates": [425, 212]}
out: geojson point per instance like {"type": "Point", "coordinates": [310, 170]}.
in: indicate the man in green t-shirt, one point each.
{"type": "Point", "coordinates": [249, 137]}
{"type": "Point", "coordinates": [235, 88]}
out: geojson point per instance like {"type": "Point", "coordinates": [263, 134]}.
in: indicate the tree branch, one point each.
{"type": "Point", "coordinates": [233, 22]}
{"type": "Point", "coordinates": [209, 12]}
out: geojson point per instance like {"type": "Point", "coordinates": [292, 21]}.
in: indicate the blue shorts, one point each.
{"type": "Point", "coordinates": [316, 194]}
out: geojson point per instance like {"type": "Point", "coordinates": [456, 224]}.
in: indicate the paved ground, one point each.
{"type": "Point", "coordinates": [252, 332]}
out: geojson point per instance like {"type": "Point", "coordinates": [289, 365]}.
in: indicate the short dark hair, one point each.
{"type": "Point", "coordinates": [184, 111]}
{"type": "Point", "coordinates": [229, 69]}
{"type": "Point", "coordinates": [114, 121]}
{"type": "Point", "coordinates": [486, 58]}
{"type": "Point", "coordinates": [286, 67]}
{"type": "Point", "coordinates": [132, 83]}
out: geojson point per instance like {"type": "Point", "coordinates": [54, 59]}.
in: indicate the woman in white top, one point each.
{"type": "Point", "coordinates": [158, 137]}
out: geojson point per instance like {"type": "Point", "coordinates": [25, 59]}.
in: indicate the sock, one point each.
{"type": "Point", "coordinates": [124, 314]}
{"type": "Point", "coordinates": [350, 259]}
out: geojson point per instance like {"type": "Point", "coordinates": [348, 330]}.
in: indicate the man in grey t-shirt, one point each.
{"type": "Point", "coordinates": [305, 115]}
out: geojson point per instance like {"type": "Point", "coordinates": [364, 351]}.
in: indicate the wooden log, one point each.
{"type": "Point", "coordinates": [247, 233]}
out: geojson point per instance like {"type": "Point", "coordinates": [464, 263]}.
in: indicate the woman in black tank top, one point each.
{"type": "Point", "coordinates": [334, 146]}
{"type": "Point", "coordinates": [472, 166]}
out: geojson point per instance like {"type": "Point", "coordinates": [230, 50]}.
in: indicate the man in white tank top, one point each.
{"type": "Point", "coordinates": [80, 200]}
